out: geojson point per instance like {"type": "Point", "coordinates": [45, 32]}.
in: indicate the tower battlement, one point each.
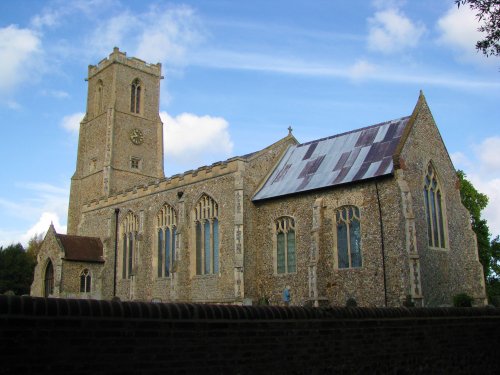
{"type": "Point", "coordinates": [120, 57]}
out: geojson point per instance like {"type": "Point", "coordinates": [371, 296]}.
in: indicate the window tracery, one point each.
{"type": "Point", "coordinates": [434, 209]}
{"type": "Point", "coordinates": [85, 281]}
{"type": "Point", "coordinates": [348, 230]}
{"type": "Point", "coordinates": [285, 245]}
{"type": "Point", "coordinates": [129, 230]}
{"type": "Point", "coordinates": [166, 229]}
{"type": "Point", "coordinates": [135, 96]}
{"type": "Point", "coordinates": [207, 236]}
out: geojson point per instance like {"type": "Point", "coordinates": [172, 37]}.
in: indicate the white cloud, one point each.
{"type": "Point", "coordinates": [46, 203]}
{"type": "Point", "coordinates": [41, 226]}
{"type": "Point", "coordinates": [114, 32]}
{"type": "Point", "coordinates": [168, 34]}
{"type": "Point", "coordinates": [191, 140]}
{"type": "Point", "coordinates": [72, 122]}
{"type": "Point", "coordinates": [488, 154]}
{"type": "Point", "coordinates": [162, 34]}
{"type": "Point", "coordinates": [391, 31]}
{"type": "Point", "coordinates": [458, 31]}
{"type": "Point", "coordinates": [483, 170]}
{"type": "Point", "coordinates": [18, 50]}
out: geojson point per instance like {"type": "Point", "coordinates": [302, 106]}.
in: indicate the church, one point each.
{"type": "Point", "coordinates": [372, 215]}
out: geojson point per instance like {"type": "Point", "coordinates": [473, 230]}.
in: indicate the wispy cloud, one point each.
{"type": "Point", "coordinates": [160, 34]}
{"type": "Point", "coordinates": [219, 59]}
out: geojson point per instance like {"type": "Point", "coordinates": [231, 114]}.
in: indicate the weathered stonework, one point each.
{"type": "Point", "coordinates": [107, 190]}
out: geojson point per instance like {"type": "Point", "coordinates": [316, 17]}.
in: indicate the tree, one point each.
{"type": "Point", "coordinates": [475, 202]}
{"type": "Point", "coordinates": [488, 13]}
{"type": "Point", "coordinates": [16, 270]}
{"type": "Point", "coordinates": [34, 245]}
{"type": "Point", "coordinates": [489, 251]}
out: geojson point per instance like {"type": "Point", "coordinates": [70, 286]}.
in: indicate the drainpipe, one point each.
{"type": "Point", "coordinates": [117, 211]}
{"type": "Point", "coordinates": [382, 243]}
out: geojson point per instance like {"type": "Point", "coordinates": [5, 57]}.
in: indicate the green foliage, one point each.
{"type": "Point", "coordinates": [475, 202]}
{"type": "Point", "coordinates": [488, 14]}
{"type": "Point", "coordinates": [462, 300]}
{"type": "Point", "coordinates": [472, 199]}
{"type": "Point", "coordinates": [16, 270]}
{"type": "Point", "coordinates": [263, 301]}
{"type": "Point", "coordinates": [495, 256]}
{"type": "Point", "coordinates": [34, 245]}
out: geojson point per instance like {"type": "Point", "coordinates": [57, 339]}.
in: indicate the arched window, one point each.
{"type": "Point", "coordinates": [166, 231]}
{"type": "Point", "coordinates": [129, 229]}
{"type": "Point", "coordinates": [49, 279]}
{"type": "Point", "coordinates": [135, 96]}
{"type": "Point", "coordinates": [434, 208]}
{"type": "Point", "coordinates": [85, 281]}
{"type": "Point", "coordinates": [348, 237]}
{"type": "Point", "coordinates": [207, 236]}
{"type": "Point", "coordinates": [285, 245]}
{"type": "Point", "coordinates": [98, 97]}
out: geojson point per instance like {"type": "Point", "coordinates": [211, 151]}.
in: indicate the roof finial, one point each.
{"type": "Point", "coordinates": [290, 130]}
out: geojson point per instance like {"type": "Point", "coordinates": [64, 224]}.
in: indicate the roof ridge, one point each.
{"type": "Point", "coordinates": [353, 131]}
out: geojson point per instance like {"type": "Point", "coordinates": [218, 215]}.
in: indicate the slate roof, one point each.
{"type": "Point", "coordinates": [340, 159]}
{"type": "Point", "coordinates": [83, 249]}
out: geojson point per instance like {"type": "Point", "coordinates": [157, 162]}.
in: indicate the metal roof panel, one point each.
{"type": "Point", "coordinates": [344, 158]}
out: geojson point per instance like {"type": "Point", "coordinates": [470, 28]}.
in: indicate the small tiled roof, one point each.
{"type": "Point", "coordinates": [354, 156]}
{"type": "Point", "coordinates": [83, 249]}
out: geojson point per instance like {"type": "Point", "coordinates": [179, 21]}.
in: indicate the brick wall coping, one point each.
{"type": "Point", "coordinates": [58, 307]}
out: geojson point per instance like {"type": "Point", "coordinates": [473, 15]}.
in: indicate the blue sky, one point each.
{"type": "Point", "coordinates": [237, 75]}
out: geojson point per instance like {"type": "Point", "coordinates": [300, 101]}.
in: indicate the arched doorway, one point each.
{"type": "Point", "coordinates": [49, 280]}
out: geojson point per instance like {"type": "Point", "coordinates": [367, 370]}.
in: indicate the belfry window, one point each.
{"type": "Point", "coordinates": [348, 242]}
{"type": "Point", "coordinates": [98, 97]}
{"type": "Point", "coordinates": [207, 236]}
{"type": "Point", "coordinates": [49, 279]}
{"type": "Point", "coordinates": [85, 281]}
{"type": "Point", "coordinates": [285, 245]}
{"type": "Point", "coordinates": [129, 230]}
{"type": "Point", "coordinates": [135, 96]}
{"type": "Point", "coordinates": [434, 210]}
{"type": "Point", "coordinates": [166, 231]}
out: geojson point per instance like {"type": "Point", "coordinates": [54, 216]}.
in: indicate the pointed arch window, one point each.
{"type": "Point", "coordinates": [166, 234]}
{"type": "Point", "coordinates": [207, 236]}
{"type": "Point", "coordinates": [434, 209]}
{"type": "Point", "coordinates": [99, 97]}
{"type": "Point", "coordinates": [49, 279]}
{"type": "Point", "coordinates": [348, 230]}
{"type": "Point", "coordinates": [135, 96]}
{"type": "Point", "coordinates": [129, 230]}
{"type": "Point", "coordinates": [285, 245]}
{"type": "Point", "coordinates": [85, 281]}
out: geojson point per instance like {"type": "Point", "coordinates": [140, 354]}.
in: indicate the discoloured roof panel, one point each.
{"type": "Point", "coordinates": [340, 159]}
{"type": "Point", "coordinates": [83, 249]}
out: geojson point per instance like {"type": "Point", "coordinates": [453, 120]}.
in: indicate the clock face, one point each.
{"type": "Point", "coordinates": [136, 137]}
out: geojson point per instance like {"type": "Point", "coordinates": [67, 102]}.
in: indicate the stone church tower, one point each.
{"type": "Point", "coordinates": [121, 136]}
